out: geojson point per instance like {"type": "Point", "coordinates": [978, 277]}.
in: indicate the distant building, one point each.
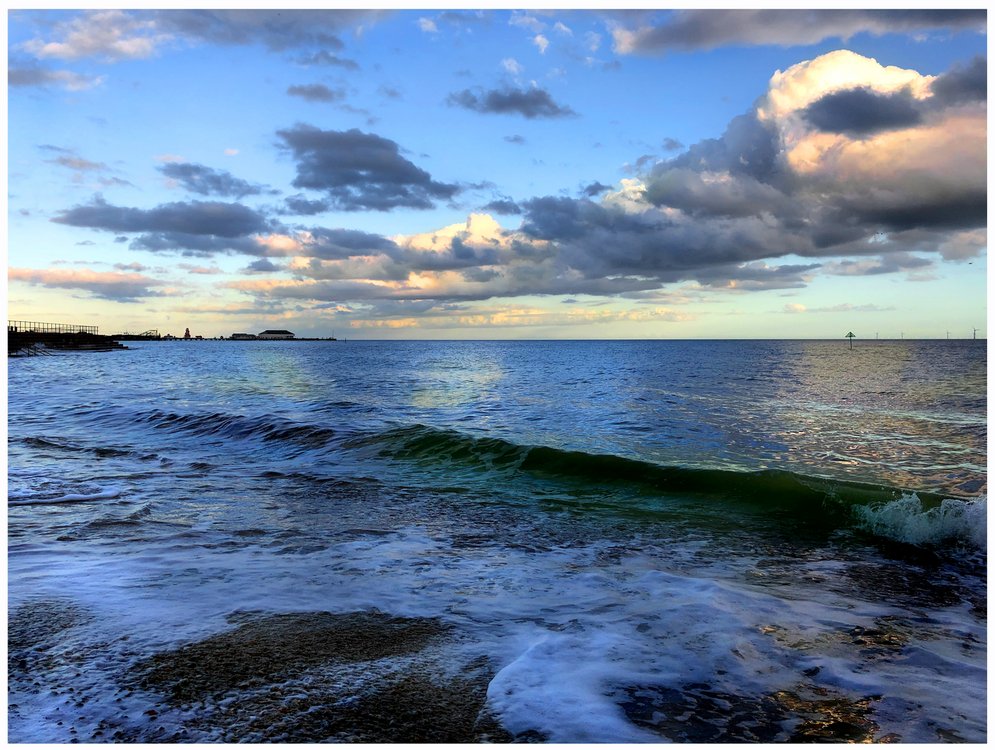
{"type": "Point", "coordinates": [243, 336]}
{"type": "Point", "coordinates": [275, 334]}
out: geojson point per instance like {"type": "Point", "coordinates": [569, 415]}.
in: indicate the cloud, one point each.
{"type": "Point", "coordinates": [316, 92]}
{"type": "Point", "coordinates": [504, 207]}
{"type": "Point", "coordinates": [518, 140]}
{"type": "Point", "coordinates": [324, 57]}
{"type": "Point", "coordinates": [200, 270]}
{"type": "Point", "coordinates": [890, 263]}
{"type": "Point", "coordinates": [595, 188]}
{"type": "Point", "coordinates": [966, 82]}
{"type": "Point", "coordinates": [530, 103]}
{"type": "Point", "coordinates": [511, 65]}
{"type": "Point", "coordinates": [428, 26]}
{"type": "Point", "coordinates": [225, 220]}
{"type": "Point", "coordinates": [526, 21]}
{"type": "Point", "coordinates": [44, 77]}
{"type": "Point", "coordinates": [203, 180]}
{"type": "Point", "coordinates": [78, 164]}
{"type": "Point", "coordinates": [108, 285]}
{"type": "Point", "coordinates": [107, 34]}
{"type": "Point", "coordinates": [277, 30]}
{"type": "Point", "coordinates": [672, 144]}
{"type": "Point", "coordinates": [360, 171]}
{"type": "Point", "coordinates": [115, 35]}
{"type": "Point", "coordinates": [687, 30]}
{"type": "Point", "coordinates": [843, 307]}
{"type": "Point", "coordinates": [263, 265]}
{"type": "Point", "coordinates": [541, 42]}
{"type": "Point", "coordinates": [303, 206]}
{"type": "Point", "coordinates": [861, 111]}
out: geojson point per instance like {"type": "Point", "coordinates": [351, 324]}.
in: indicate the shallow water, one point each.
{"type": "Point", "coordinates": [616, 541]}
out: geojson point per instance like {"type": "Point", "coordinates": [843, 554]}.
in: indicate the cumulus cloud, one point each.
{"type": "Point", "coordinates": [316, 92]}
{"type": "Point", "coordinates": [109, 285]}
{"type": "Point", "coordinates": [529, 103]}
{"type": "Point", "coordinates": [686, 30]}
{"type": "Point", "coordinates": [203, 180]}
{"type": "Point", "coordinates": [107, 34]}
{"type": "Point", "coordinates": [360, 171]}
{"type": "Point", "coordinates": [541, 43]}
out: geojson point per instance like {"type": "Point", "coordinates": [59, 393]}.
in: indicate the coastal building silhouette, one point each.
{"type": "Point", "coordinates": [275, 334]}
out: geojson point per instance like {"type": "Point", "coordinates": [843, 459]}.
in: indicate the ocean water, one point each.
{"type": "Point", "coordinates": [569, 541]}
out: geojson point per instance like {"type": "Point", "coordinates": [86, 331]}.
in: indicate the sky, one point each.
{"type": "Point", "coordinates": [499, 174]}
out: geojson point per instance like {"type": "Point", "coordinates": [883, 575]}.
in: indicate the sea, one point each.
{"type": "Point", "coordinates": [486, 541]}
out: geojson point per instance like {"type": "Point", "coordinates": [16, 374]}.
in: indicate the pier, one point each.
{"type": "Point", "coordinates": [29, 337]}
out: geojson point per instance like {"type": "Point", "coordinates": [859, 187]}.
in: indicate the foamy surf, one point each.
{"type": "Point", "coordinates": [27, 497]}
{"type": "Point", "coordinates": [908, 520]}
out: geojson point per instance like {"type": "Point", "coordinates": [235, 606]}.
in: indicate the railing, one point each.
{"type": "Point", "coordinates": [24, 326]}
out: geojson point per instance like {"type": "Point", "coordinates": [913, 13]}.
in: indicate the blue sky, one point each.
{"type": "Point", "coordinates": [499, 174]}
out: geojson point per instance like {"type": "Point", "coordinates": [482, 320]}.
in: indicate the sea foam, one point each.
{"type": "Point", "coordinates": [907, 520]}
{"type": "Point", "coordinates": [22, 497]}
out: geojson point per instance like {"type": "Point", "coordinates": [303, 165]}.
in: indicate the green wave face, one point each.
{"type": "Point", "coordinates": [818, 501]}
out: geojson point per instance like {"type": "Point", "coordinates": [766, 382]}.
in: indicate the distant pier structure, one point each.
{"type": "Point", "coordinates": [25, 336]}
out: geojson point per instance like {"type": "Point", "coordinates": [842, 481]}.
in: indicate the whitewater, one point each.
{"type": "Point", "coordinates": [638, 541]}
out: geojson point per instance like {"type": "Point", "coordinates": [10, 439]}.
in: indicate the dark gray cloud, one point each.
{"type": "Point", "coordinates": [529, 103]}
{"type": "Point", "coordinates": [748, 146]}
{"type": "Point", "coordinates": [324, 57]}
{"type": "Point", "coordinates": [263, 265]}
{"type": "Point", "coordinates": [966, 82]}
{"type": "Point", "coordinates": [503, 207]}
{"type": "Point", "coordinates": [889, 263]}
{"type": "Point", "coordinates": [672, 144]}
{"type": "Point", "coordinates": [697, 195]}
{"type": "Point", "coordinates": [277, 30]}
{"type": "Point", "coordinates": [594, 189]}
{"type": "Point", "coordinates": [203, 180]}
{"type": "Point", "coordinates": [756, 276]}
{"type": "Point", "coordinates": [360, 171]}
{"type": "Point", "coordinates": [33, 75]}
{"type": "Point", "coordinates": [860, 112]}
{"type": "Point", "coordinates": [334, 244]}
{"type": "Point", "coordinates": [302, 206]}
{"type": "Point", "coordinates": [316, 92]}
{"type": "Point", "coordinates": [195, 245]}
{"type": "Point", "coordinates": [195, 218]}
{"type": "Point", "coordinates": [686, 30]}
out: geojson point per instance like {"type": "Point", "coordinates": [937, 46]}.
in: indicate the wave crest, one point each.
{"type": "Point", "coordinates": [907, 519]}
